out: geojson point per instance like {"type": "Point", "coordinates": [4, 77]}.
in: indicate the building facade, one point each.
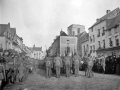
{"type": "Point", "coordinates": [63, 45]}
{"type": "Point", "coordinates": [37, 52]}
{"type": "Point", "coordinates": [75, 29]}
{"type": "Point", "coordinates": [97, 32]}
{"type": "Point", "coordinates": [5, 36]}
{"type": "Point", "coordinates": [85, 44]}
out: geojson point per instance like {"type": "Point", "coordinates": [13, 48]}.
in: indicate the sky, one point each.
{"type": "Point", "coordinates": [40, 21]}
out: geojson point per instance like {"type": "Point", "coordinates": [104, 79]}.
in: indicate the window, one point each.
{"type": "Point", "coordinates": [93, 38]}
{"type": "Point", "coordinates": [84, 48]}
{"type": "Point", "coordinates": [91, 29]}
{"type": "Point", "coordinates": [1, 45]}
{"type": "Point", "coordinates": [99, 44]}
{"type": "Point", "coordinates": [93, 48]}
{"type": "Point", "coordinates": [109, 32]}
{"type": "Point", "coordinates": [90, 39]}
{"type": "Point", "coordinates": [78, 30]}
{"type": "Point", "coordinates": [87, 47]}
{"type": "Point", "coordinates": [98, 32]}
{"type": "Point", "coordinates": [103, 43]}
{"type": "Point", "coordinates": [73, 33]}
{"type": "Point", "coordinates": [116, 30]}
{"type": "Point", "coordinates": [117, 40]}
{"type": "Point", "coordinates": [103, 31]}
{"type": "Point", "coordinates": [110, 42]}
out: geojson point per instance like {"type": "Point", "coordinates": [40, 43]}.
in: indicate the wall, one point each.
{"type": "Point", "coordinates": [95, 33]}
{"type": "Point", "coordinates": [68, 41]}
{"type": "Point", "coordinates": [86, 47]}
{"type": "Point", "coordinates": [75, 29]}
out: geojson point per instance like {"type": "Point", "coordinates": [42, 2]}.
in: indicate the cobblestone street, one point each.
{"type": "Point", "coordinates": [37, 81]}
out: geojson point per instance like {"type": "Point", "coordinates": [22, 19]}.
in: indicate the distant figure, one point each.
{"type": "Point", "coordinates": [58, 65]}
{"type": "Point", "coordinates": [68, 64]}
{"type": "Point", "coordinates": [90, 65]}
{"type": "Point", "coordinates": [76, 60]}
{"type": "Point", "coordinates": [49, 65]}
{"type": "Point", "coordinates": [2, 72]}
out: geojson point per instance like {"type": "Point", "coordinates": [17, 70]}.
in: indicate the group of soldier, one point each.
{"type": "Point", "coordinates": [68, 64]}
{"type": "Point", "coordinates": [13, 68]}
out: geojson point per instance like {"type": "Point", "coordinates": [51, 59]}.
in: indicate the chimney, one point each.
{"type": "Point", "coordinates": [97, 19]}
{"type": "Point", "coordinates": [107, 11]}
{"type": "Point", "coordinates": [9, 24]}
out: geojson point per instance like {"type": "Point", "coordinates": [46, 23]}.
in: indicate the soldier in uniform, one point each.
{"type": "Point", "coordinates": [58, 65]}
{"type": "Point", "coordinates": [68, 64]}
{"type": "Point", "coordinates": [2, 71]}
{"type": "Point", "coordinates": [90, 65]}
{"type": "Point", "coordinates": [76, 60]}
{"type": "Point", "coordinates": [103, 63]}
{"type": "Point", "coordinates": [49, 65]}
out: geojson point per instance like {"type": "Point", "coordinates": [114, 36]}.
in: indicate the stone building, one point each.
{"type": "Point", "coordinates": [85, 44]}
{"type": "Point", "coordinates": [75, 29]}
{"type": "Point", "coordinates": [98, 34]}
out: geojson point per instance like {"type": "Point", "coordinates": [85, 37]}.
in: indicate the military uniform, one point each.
{"type": "Point", "coordinates": [90, 65]}
{"type": "Point", "coordinates": [76, 60]}
{"type": "Point", "coordinates": [58, 65]}
{"type": "Point", "coordinates": [68, 64]}
{"type": "Point", "coordinates": [49, 65]}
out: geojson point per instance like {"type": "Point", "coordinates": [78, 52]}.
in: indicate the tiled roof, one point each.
{"type": "Point", "coordinates": [113, 22]}
{"type": "Point", "coordinates": [3, 28]}
{"type": "Point", "coordinates": [107, 16]}
{"type": "Point", "coordinates": [81, 34]}
{"type": "Point", "coordinates": [35, 48]}
{"type": "Point", "coordinates": [13, 31]}
{"type": "Point", "coordinates": [85, 37]}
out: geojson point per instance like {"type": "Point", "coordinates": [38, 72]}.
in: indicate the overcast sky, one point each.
{"type": "Point", "coordinates": [39, 21]}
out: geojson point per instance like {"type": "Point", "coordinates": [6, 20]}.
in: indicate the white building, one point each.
{"type": "Point", "coordinates": [97, 32]}
{"type": "Point", "coordinates": [37, 52]}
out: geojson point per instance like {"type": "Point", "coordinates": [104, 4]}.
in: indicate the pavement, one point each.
{"type": "Point", "coordinates": [38, 81]}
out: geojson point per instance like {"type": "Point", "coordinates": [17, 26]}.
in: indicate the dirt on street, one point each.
{"type": "Point", "coordinates": [38, 81]}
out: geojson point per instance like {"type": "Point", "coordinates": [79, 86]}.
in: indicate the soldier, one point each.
{"type": "Point", "coordinates": [68, 64]}
{"type": "Point", "coordinates": [58, 65]}
{"type": "Point", "coordinates": [2, 71]}
{"type": "Point", "coordinates": [103, 63]}
{"type": "Point", "coordinates": [49, 65]}
{"type": "Point", "coordinates": [21, 69]}
{"type": "Point", "coordinates": [90, 65]}
{"type": "Point", "coordinates": [76, 60]}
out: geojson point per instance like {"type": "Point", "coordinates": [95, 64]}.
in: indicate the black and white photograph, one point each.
{"type": "Point", "coordinates": [59, 44]}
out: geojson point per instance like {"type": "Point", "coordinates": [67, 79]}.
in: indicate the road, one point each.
{"type": "Point", "coordinates": [38, 81]}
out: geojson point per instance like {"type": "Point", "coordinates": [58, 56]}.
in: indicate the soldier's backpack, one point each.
{"type": "Point", "coordinates": [76, 62]}
{"type": "Point", "coordinates": [48, 63]}
{"type": "Point", "coordinates": [67, 61]}
{"type": "Point", "coordinates": [57, 62]}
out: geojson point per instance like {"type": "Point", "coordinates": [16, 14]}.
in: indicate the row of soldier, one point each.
{"type": "Point", "coordinates": [12, 68]}
{"type": "Point", "coordinates": [68, 64]}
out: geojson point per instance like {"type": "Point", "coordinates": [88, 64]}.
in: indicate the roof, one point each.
{"type": "Point", "coordinates": [106, 16]}
{"type": "Point", "coordinates": [13, 31]}
{"type": "Point", "coordinates": [113, 22]}
{"type": "Point", "coordinates": [3, 28]}
{"type": "Point", "coordinates": [35, 48]}
{"type": "Point", "coordinates": [20, 38]}
{"type": "Point", "coordinates": [75, 25]}
{"type": "Point", "coordinates": [81, 34]}
{"type": "Point", "coordinates": [85, 37]}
